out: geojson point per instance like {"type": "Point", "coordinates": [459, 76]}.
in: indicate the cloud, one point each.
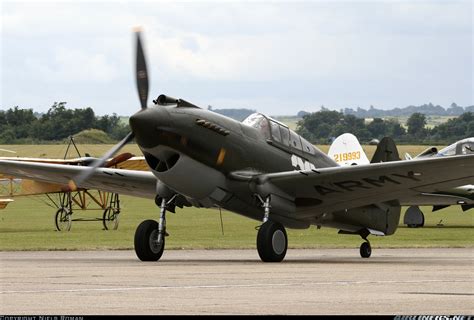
{"type": "Point", "coordinates": [336, 53]}
{"type": "Point", "coordinates": [72, 65]}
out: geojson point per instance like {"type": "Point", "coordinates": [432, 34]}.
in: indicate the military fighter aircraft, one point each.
{"type": "Point", "coordinates": [258, 168]}
{"type": "Point", "coordinates": [461, 195]}
{"type": "Point", "coordinates": [346, 150]}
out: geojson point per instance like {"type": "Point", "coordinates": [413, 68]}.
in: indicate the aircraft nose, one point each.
{"type": "Point", "coordinates": [145, 123]}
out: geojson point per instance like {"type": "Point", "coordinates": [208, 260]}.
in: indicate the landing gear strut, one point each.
{"type": "Point", "coordinates": [150, 235]}
{"type": "Point", "coordinates": [272, 240]}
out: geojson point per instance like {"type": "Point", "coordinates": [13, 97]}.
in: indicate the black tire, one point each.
{"type": "Point", "coordinates": [110, 219]}
{"type": "Point", "coordinates": [422, 221]}
{"type": "Point", "coordinates": [365, 250]}
{"type": "Point", "coordinates": [145, 241]}
{"type": "Point", "coordinates": [272, 242]}
{"type": "Point", "coordinates": [63, 220]}
{"type": "Point", "coordinates": [420, 225]}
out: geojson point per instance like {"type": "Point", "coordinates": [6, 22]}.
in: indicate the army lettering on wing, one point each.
{"type": "Point", "coordinates": [380, 181]}
{"type": "Point", "coordinates": [349, 185]}
{"type": "Point", "coordinates": [324, 190]}
{"type": "Point", "coordinates": [365, 183]}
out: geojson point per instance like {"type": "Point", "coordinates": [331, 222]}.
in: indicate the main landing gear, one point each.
{"type": "Point", "coordinates": [272, 240]}
{"type": "Point", "coordinates": [150, 235]}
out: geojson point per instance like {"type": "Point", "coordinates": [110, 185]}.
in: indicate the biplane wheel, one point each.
{"type": "Point", "coordinates": [63, 220]}
{"type": "Point", "coordinates": [110, 219]}
{"type": "Point", "coordinates": [272, 242]}
{"type": "Point", "coordinates": [147, 247]}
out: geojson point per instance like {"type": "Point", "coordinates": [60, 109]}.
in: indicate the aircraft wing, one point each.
{"type": "Point", "coordinates": [129, 182]}
{"type": "Point", "coordinates": [339, 188]}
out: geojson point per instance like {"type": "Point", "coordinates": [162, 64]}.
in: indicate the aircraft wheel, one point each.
{"type": "Point", "coordinates": [63, 220]}
{"type": "Point", "coordinates": [418, 225]}
{"type": "Point", "coordinates": [110, 219]}
{"type": "Point", "coordinates": [365, 250]}
{"type": "Point", "coordinates": [146, 241]}
{"type": "Point", "coordinates": [272, 242]}
{"type": "Point", "coordinates": [414, 217]}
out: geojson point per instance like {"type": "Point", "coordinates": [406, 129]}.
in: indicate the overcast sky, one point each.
{"type": "Point", "coordinates": [276, 57]}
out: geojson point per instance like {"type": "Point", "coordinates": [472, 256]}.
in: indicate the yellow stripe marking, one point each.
{"type": "Point", "coordinates": [220, 157]}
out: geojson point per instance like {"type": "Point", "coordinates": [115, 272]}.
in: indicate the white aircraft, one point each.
{"type": "Point", "coordinates": [346, 150]}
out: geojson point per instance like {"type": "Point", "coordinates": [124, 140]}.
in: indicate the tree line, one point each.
{"type": "Point", "coordinates": [427, 109]}
{"type": "Point", "coordinates": [58, 123]}
{"type": "Point", "coordinates": [319, 127]}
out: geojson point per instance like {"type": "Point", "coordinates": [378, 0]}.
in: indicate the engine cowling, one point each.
{"type": "Point", "coordinates": [185, 175]}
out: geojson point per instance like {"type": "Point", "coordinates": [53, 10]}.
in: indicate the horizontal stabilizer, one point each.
{"type": "Point", "coordinates": [430, 152]}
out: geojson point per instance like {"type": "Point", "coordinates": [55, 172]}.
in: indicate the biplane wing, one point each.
{"type": "Point", "coordinates": [128, 182]}
{"type": "Point", "coordinates": [128, 162]}
{"type": "Point", "coordinates": [11, 186]}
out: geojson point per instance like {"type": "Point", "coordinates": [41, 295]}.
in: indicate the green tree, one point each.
{"type": "Point", "coordinates": [319, 126]}
{"type": "Point", "coordinates": [378, 128]}
{"type": "Point", "coordinates": [416, 124]}
{"type": "Point", "coordinates": [18, 121]}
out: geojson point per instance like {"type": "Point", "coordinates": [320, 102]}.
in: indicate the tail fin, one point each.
{"type": "Point", "coordinates": [386, 151]}
{"type": "Point", "coordinates": [346, 150]}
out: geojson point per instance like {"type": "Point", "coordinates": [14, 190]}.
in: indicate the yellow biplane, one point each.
{"type": "Point", "coordinates": [66, 201]}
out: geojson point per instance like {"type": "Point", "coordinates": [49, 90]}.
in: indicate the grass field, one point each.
{"type": "Point", "coordinates": [28, 223]}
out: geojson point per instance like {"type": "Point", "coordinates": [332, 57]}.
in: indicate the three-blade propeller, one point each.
{"type": "Point", "coordinates": [141, 75]}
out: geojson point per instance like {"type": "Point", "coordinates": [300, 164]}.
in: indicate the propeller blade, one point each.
{"type": "Point", "coordinates": [118, 159]}
{"type": "Point", "coordinates": [141, 72]}
{"type": "Point", "coordinates": [73, 184]}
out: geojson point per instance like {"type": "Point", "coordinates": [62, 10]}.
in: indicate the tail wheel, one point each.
{"type": "Point", "coordinates": [272, 242]}
{"type": "Point", "coordinates": [146, 243]}
{"type": "Point", "coordinates": [365, 250]}
{"type": "Point", "coordinates": [63, 219]}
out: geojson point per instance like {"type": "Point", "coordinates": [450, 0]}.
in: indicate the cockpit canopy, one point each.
{"type": "Point", "coordinates": [465, 146]}
{"type": "Point", "coordinates": [278, 133]}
